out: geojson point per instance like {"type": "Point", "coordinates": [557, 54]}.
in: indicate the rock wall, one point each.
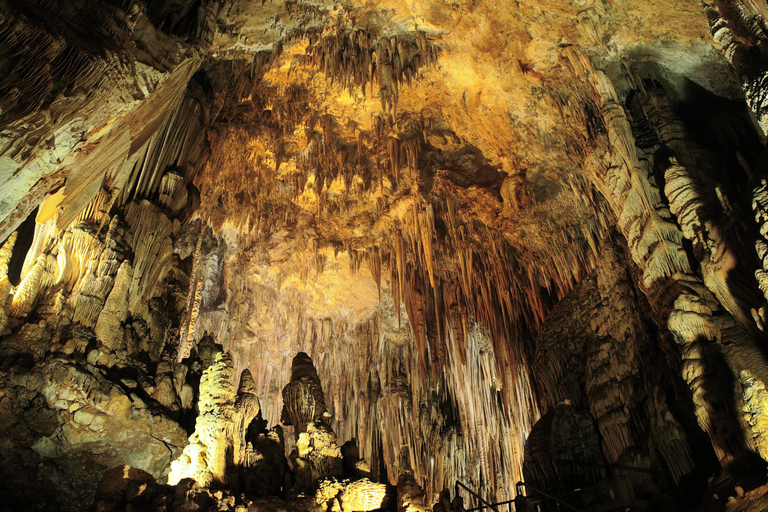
{"type": "Point", "coordinates": [464, 213]}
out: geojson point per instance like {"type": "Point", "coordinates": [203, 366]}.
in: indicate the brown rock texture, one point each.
{"type": "Point", "coordinates": [423, 229]}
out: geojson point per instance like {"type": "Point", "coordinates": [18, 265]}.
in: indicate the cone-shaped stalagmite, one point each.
{"type": "Point", "coordinates": [303, 398]}
{"type": "Point", "coordinates": [484, 220]}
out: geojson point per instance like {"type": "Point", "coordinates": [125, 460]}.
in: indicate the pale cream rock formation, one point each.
{"type": "Point", "coordinates": [218, 445]}
{"type": "Point", "coordinates": [205, 458]}
{"type": "Point", "coordinates": [303, 398]}
{"type": "Point", "coordinates": [409, 191]}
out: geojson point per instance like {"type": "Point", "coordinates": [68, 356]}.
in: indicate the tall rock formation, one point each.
{"type": "Point", "coordinates": [468, 212]}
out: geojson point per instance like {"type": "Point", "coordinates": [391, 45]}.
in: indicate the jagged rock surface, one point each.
{"type": "Point", "coordinates": [465, 212]}
{"type": "Point", "coordinates": [230, 450]}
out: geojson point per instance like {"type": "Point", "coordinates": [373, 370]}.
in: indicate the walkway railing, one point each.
{"type": "Point", "coordinates": [532, 500]}
{"type": "Point", "coordinates": [478, 497]}
{"type": "Point", "coordinates": [565, 491]}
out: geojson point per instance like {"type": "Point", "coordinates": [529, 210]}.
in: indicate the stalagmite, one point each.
{"type": "Point", "coordinates": [364, 495]}
{"type": "Point", "coordinates": [115, 311]}
{"type": "Point", "coordinates": [205, 458]}
{"type": "Point", "coordinates": [303, 398]}
{"type": "Point", "coordinates": [6, 250]}
{"type": "Point", "coordinates": [739, 39]}
{"type": "Point", "coordinates": [410, 497]}
{"type": "Point", "coordinates": [515, 239]}
{"type": "Point", "coordinates": [247, 408]}
{"type": "Point", "coordinates": [41, 275]}
{"type": "Point", "coordinates": [317, 455]}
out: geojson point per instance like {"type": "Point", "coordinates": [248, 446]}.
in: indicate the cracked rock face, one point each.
{"type": "Point", "coordinates": [65, 424]}
{"type": "Point", "coordinates": [393, 240]}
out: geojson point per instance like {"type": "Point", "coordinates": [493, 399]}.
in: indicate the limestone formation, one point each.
{"type": "Point", "coordinates": [317, 455]}
{"type": "Point", "coordinates": [516, 238]}
{"type": "Point", "coordinates": [231, 448]}
{"type": "Point", "coordinates": [205, 459]}
{"type": "Point", "coordinates": [410, 497]}
{"type": "Point", "coordinates": [74, 424]}
{"type": "Point", "coordinates": [303, 398]}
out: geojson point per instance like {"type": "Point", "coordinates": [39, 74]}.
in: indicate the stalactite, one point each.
{"type": "Point", "coordinates": [739, 49]}
{"type": "Point", "coordinates": [478, 202]}
{"type": "Point", "coordinates": [360, 57]}
{"type": "Point", "coordinates": [500, 299]}
{"type": "Point", "coordinates": [87, 175]}
{"type": "Point", "coordinates": [690, 320]}
{"type": "Point", "coordinates": [151, 247]}
{"type": "Point", "coordinates": [177, 145]}
{"type": "Point", "coordinates": [108, 160]}
{"type": "Point", "coordinates": [398, 412]}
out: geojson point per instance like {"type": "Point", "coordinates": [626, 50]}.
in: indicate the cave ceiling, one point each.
{"type": "Point", "coordinates": [446, 204]}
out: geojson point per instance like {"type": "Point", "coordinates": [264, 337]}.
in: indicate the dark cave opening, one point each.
{"type": "Point", "coordinates": [24, 238]}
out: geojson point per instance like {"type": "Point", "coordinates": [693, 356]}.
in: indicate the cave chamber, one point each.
{"type": "Point", "coordinates": [395, 255]}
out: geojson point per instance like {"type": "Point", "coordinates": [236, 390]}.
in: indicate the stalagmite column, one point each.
{"type": "Point", "coordinates": [613, 361]}
{"type": "Point", "coordinates": [247, 408]}
{"type": "Point", "coordinates": [690, 191]}
{"type": "Point", "coordinates": [90, 293]}
{"type": "Point", "coordinates": [760, 207]}
{"type": "Point", "coordinates": [317, 455]}
{"type": "Point", "coordinates": [303, 398]}
{"type": "Point", "coordinates": [218, 447]}
{"type": "Point", "coordinates": [655, 243]}
{"type": "Point", "coordinates": [410, 496]}
{"type": "Point", "coordinates": [741, 41]}
{"type": "Point", "coordinates": [41, 275]}
{"type": "Point", "coordinates": [696, 325]}
{"type": "Point", "coordinates": [5, 285]}
{"type": "Point", "coordinates": [725, 286]}
{"type": "Point", "coordinates": [6, 249]}
{"type": "Point", "coordinates": [205, 458]}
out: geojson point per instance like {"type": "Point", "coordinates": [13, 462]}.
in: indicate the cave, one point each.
{"type": "Point", "coordinates": [424, 255]}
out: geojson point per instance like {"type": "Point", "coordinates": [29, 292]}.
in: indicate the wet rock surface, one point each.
{"type": "Point", "coordinates": [294, 254]}
{"type": "Point", "coordinates": [212, 474]}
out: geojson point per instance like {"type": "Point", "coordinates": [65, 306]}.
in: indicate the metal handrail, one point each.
{"type": "Point", "coordinates": [587, 472]}
{"type": "Point", "coordinates": [571, 483]}
{"type": "Point", "coordinates": [473, 493]}
{"type": "Point", "coordinates": [614, 465]}
{"type": "Point", "coordinates": [561, 502]}
{"type": "Point", "coordinates": [508, 502]}
{"type": "Point", "coordinates": [493, 506]}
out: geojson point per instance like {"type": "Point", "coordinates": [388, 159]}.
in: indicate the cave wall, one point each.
{"type": "Point", "coordinates": [461, 244]}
